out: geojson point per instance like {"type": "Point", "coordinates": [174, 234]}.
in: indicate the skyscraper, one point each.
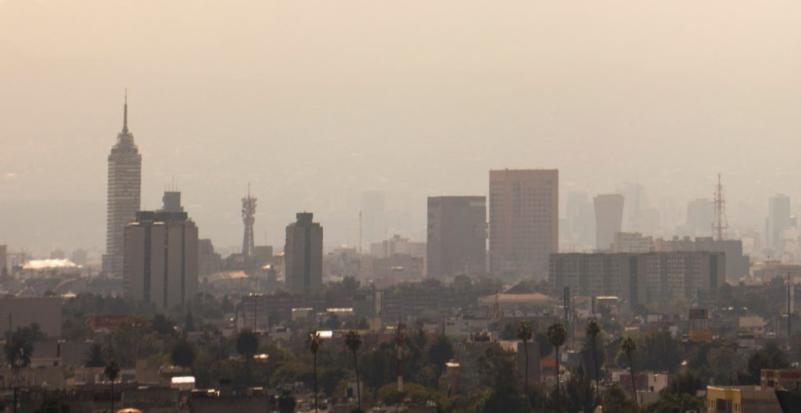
{"type": "Point", "coordinates": [457, 235]}
{"type": "Point", "coordinates": [779, 219]}
{"type": "Point", "coordinates": [303, 255]}
{"type": "Point", "coordinates": [373, 217]}
{"type": "Point", "coordinates": [123, 197]}
{"type": "Point", "coordinates": [161, 256]}
{"type": "Point", "coordinates": [248, 218]}
{"type": "Point", "coordinates": [608, 219]}
{"type": "Point", "coordinates": [524, 221]}
{"type": "Point", "coordinates": [700, 217]}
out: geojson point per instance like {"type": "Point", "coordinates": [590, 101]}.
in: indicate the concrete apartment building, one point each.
{"type": "Point", "coordinates": [679, 277]}
{"type": "Point", "coordinates": [123, 197]}
{"type": "Point", "coordinates": [24, 311]}
{"type": "Point", "coordinates": [3, 260]}
{"type": "Point", "coordinates": [457, 236]}
{"type": "Point", "coordinates": [523, 222]}
{"type": "Point", "coordinates": [303, 255]}
{"type": "Point", "coordinates": [608, 219]}
{"type": "Point", "coordinates": [737, 264]}
{"type": "Point", "coordinates": [161, 257]}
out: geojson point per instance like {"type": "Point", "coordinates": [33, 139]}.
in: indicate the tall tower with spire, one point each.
{"type": "Point", "coordinates": [248, 218]}
{"type": "Point", "coordinates": [123, 194]}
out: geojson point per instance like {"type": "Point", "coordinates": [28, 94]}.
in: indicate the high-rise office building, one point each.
{"type": "Point", "coordinates": [608, 219]}
{"type": "Point", "coordinates": [303, 255]}
{"type": "Point", "coordinates": [700, 217]}
{"type": "Point", "coordinates": [779, 219]}
{"type": "Point", "coordinates": [124, 186]}
{"type": "Point", "coordinates": [161, 257]}
{"type": "Point", "coordinates": [524, 222]}
{"type": "Point", "coordinates": [457, 235]}
{"type": "Point", "coordinates": [3, 260]}
{"type": "Point", "coordinates": [579, 219]}
{"type": "Point", "coordinates": [373, 216]}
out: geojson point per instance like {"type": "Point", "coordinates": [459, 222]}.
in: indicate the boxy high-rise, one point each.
{"type": "Point", "coordinates": [524, 222]}
{"type": "Point", "coordinates": [161, 258]}
{"type": "Point", "coordinates": [457, 236]}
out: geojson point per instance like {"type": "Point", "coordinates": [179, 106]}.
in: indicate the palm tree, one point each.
{"type": "Point", "coordinates": [112, 371]}
{"type": "Point", "coordinates": [593, 330]}
{"type": "Point", "coordinates": [353, 341]}
{"type": "Point", "coordinates": [629, 347]}
{"type": "Point", "coordinates": [557, 336]}
{"type": "Point", "coordinates": [524, 334]}
{"type": "Point", "coordinates": [313, 342]}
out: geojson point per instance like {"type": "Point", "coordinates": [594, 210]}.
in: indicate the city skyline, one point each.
{"type": "Point", "coordinates": [212, 129]}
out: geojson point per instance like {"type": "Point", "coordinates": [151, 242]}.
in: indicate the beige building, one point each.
{"type": "Point", "coordinates": [303, 255]}
{"type": "Point", "coordinates": [24, 311]}
{"type": "Point", "coordinates": [608, 219]}
{"type": "Point", "coordinates": [124, 186]}
{"type": "Point", "coordinates": [161, 258]}
{"type": "Point", "coordinates": [523, 222]}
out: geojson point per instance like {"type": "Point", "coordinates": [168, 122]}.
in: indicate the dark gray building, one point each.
{"type": "Point", "coordinates": [161, 257]}
{"type": "Point", "coordinates": [672, 280]}
{"type": "Point", "coordinates": [303, 255]}
{"type": "Point", "coordinates": [457, 236]}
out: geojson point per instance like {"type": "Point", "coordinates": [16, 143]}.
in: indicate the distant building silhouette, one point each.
{"type": "Point", "coordinates": [457, 236]}
{"type": "Point", "coordinates": [161, 258]}
{"type": "Point", "coordinates": [303, 255]}
{"type": "Point", "coordinates": [700, 217]}
{"type": "Point", "coordinates": [248, 219]}
{"type": "Point", "coordinates": [608, 219]}
{"type": "Point", "coordinates": [3, 260]}
{"type": "Point", "coordinates": [123, 199]}
{"type": "Point", "coordinates": [524, 222]}
{"type": "Point", "coordinates": [779, 219]}
{"type": "Point", "coordinates": [373, 217]}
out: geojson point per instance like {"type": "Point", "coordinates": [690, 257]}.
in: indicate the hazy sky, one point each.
{"type": "Point", "coordinates": [315, 102]}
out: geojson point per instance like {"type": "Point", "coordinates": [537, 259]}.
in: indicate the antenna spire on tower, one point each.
{"type": "Point", "coordinates": [125, 113]}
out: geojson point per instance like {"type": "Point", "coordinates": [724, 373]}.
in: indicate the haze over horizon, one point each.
{"type": "Point", "coordinates": [315, 102]}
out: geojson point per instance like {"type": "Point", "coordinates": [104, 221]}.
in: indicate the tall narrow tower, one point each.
{"type": "Point", "coordinates": [248, 218]}
{"type": "Point", "coordinates": [721, 223]}
{"type": "Point", "coordinates": [123, 196]}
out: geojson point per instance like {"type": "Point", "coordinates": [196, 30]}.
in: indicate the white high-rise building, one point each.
{"type": "Point", "coordinates": [123, 199]}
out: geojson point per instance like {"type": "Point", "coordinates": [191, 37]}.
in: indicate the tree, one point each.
{"type": "Point", "coordinates": [183, 354]}
{"type": "Point", "coordinates": [593, 330]}
{"type": "Point", "coordinates": [19, 345]}
{"type": "Point", "coordinates": [628, 348]}
{"type": "Point", "coordinates": [313, 343]}
{"type": "Point", "coordinates": [579, 394]}
{"type": "Point", "coordinates": [556, 337]}
{"type": "Point", "coordinates": [112, 371]}
{"type": "Point", "coordinates": [94, 356]}
{"type": "Point", "coordinates": [524, 335]}
{"type": "Point", "coordinates": [769, 357]}
{"type": "Point", "coordinates": [353, 341]}
{"type": "Point", "coordinates": [614, 400]}
{"type": "Point", "coordinates": [440, 352]}
{"type": "Point", "coordinates": [286, 402]}
{"type": "Point", "coordinates": [162, 325]}
{"type": "Point", "coordinates": [247, 344]}
{"type": "Point", "coordinates": [19, 348]}
{"type": "Point", "coordinates": [497, 371]}
{"type": "Point", "coordinates": [189, 322]}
